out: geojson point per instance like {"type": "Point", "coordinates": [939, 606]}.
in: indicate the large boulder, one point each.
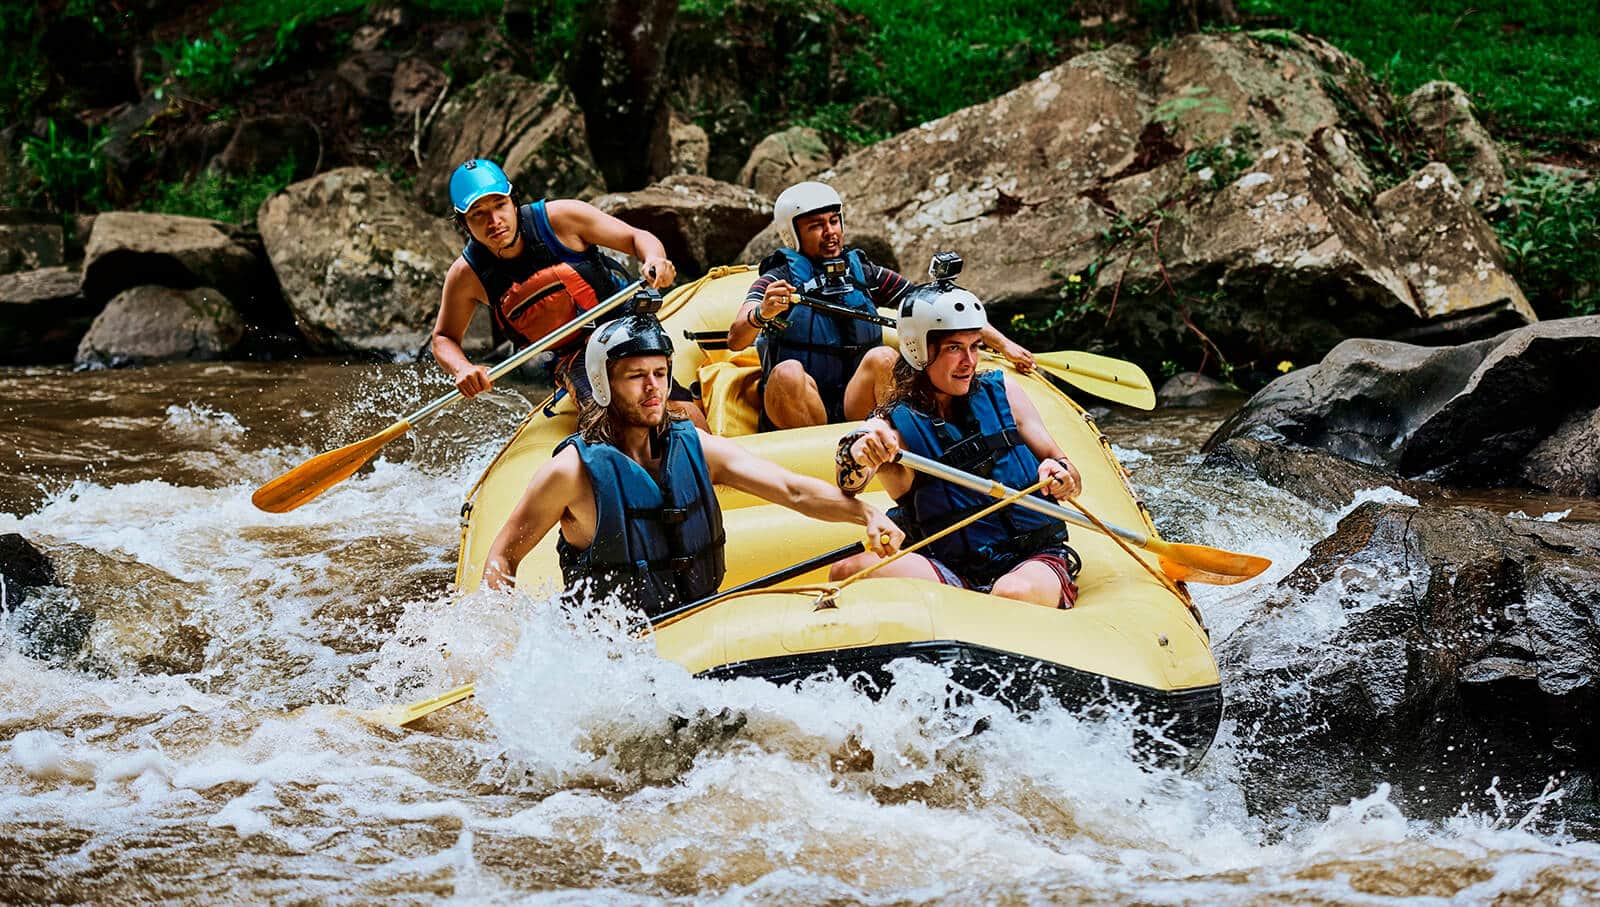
{"type": "Point", "coordinates": [684, 148]}
{"type": "Point", "coordinates": [264, 143]}
{"type": "Point", "coordinates": [1436, 648]}
{"type": "Point", "coordinates": [1451, 257]}
{"type": "Point", "coordinates": [702, 222]}
{"type": "Point", "coordinates": [1219, 193]}
{"type": "Point", "coordinates": [784, 158]}
{"type": "Point", "coordinates": [1443, 113]}
{"type": "Point", "coordinates": [360, 263]}
{"type": "Point", "coordinates": [533, 129]}
{"type": "Point", "coordinates": [153, 324]}
{"type": "Point", "coordinates": [133, 249]}
{"type": "Point", "coordinates": [29, 242]}
{"type": "Point", "coordinates": [43, 315]}
{"type": "Point", "coordinates": [1568, 461]}
{"type": "Point", "coordinates": [1464, 414]}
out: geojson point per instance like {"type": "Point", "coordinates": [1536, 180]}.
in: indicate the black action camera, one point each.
{"type": "Point", "coordinates": [945, 266]}
{"type": "Point", "coordinates": [645, 301]}
{"type": "Point", "coordinates": [831, 280]}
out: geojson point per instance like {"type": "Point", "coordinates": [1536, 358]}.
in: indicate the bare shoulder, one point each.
{"type": "Point", "coordinates": [462, 281]}
{"type": "Point", "coordinates": [569, 210]}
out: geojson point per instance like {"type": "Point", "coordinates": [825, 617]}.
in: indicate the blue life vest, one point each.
{"type": "Point", "coordinates": [544, 287]}
{"type": "Point", "coordinates": [989, 445]}
{"type": "Point", "coordinates": [659, 543]}
{"type": "Point", "coordinates": [828, 347]}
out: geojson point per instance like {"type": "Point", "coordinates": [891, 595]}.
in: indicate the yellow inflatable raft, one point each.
{"type": "Point", "coordinates": [1131, 637]}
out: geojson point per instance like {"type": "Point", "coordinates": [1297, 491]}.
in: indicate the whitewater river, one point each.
{"type": "Point", "coordinates": [201, 745]}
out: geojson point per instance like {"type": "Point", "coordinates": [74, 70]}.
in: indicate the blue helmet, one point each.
{"type": "Point", "coordinates": [475, 179]}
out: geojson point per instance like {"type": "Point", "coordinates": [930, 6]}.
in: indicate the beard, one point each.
{"type": "Point", "coordinates": [633, 414]}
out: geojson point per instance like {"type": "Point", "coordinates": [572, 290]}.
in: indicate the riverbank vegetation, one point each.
{"type": "Point", "coordinates": [857, 70]}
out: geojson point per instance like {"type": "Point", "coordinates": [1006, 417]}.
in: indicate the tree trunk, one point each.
{"type": "Point", "coordinates": [615, 76]}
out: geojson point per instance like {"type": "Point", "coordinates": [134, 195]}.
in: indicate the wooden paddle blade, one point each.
{"type": "Point", "coordinates": [1204, 564]}
{"type": "Point", "coordinates": [322, 472]}
{"type": "Point", "coordinates": [405, 713]}
{"type": "Point", "coordinates": [1116, 380]}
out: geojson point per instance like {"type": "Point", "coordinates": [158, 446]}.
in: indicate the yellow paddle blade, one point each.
{"type": "Point", "coordinates": [403, 714]}
{"type": "Point", "coordinates": [1204, 564]}
{"type": "Point", "coordinates": [322, 472]}
{"type": "Point", "coordinates": [1116, 380]}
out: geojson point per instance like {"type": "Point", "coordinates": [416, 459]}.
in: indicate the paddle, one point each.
{"type": "Point", "coordinates": [1111, 379]}
{"type": "Point", "coordinates": [403, 714]}
{"type": "Point", "coordinates": [1116, 380]}
{"type": "Point", "coordinates": [1183, 562]}
{"type": "Point", "coordinates": [324, 471]}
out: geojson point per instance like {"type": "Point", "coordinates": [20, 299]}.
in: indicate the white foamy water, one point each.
{"type": "Point", "coordinates": [588, 770]}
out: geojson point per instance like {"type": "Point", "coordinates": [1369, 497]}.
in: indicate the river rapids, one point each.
{"type": "Point", "coordinates": [200, 740]}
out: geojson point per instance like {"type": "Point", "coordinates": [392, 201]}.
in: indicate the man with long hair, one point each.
{"type": "Point", "coordinates": [943, 408]}
{"type": "Point", "coordinates": [632, 489]}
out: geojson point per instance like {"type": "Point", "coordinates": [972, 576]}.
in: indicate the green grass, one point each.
{"type": "Point", "coordinates": [1532, 66]}
{"type": "Point", "coordinates": [224, 198]}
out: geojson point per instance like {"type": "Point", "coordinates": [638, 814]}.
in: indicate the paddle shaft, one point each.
{"type": "Point", "coordinates": [832, 309]}
{"type": "Point", "coordinates": [787, 573]}
{"type": "Point", "coordinates": [995, 489]}
{"type": "Point", "coordinates": [552, 339]}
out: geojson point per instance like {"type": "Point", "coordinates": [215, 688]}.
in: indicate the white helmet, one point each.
{"type": "Point", "coordinates": [937, 306]}
{"type": "Point", "coordinates": [799, 200]}
{"type": "Point", "coordinates": [630, 335]}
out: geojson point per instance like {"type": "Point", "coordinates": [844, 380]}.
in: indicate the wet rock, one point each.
{"type": "Point", "coordinates": [43, 315]}
{"type": "Point", "coordinates": [262, 144]}
{"type": "Point", "coordinates": [370, 78]}
{"type": "Point", "coordinates": [133, 249]}
{"type": "Point", "coordinates": [1464, 414]}
{"type": "Point", "coordinates": [1444, 646]}
{"type": "Point", "coordinates": [154, 324]}
{"type": "Point", "coordinates": [1192, 389]}
{"type": "Point", "coordinates": [1443, 112]}
{"type": "Point", "coordinates": [23, 567]}
{"type": "Point", "coordinates": [532, 129]}
{"type": "Point", "coordinates": [29, 242]}
{"type": "Point", "coordinates": [1568, 461]}
{"type": "Point", "coordinates": [784, 158]}
{"type": "Point", "coordinates": [1328, 481]}
{"type": "Point", "coordinates": [1450, 255]}
{"type": "Point", "coordinates": [701, 221]}
{"type": "Point", "coordinates": [360, 264]}
{"type": "Point", "coordinates": [113, 615]}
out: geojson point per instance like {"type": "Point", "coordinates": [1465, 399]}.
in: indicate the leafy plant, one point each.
{"type": "Point", "coordinates": [221, 197]}
{"type": "Point", "coordinates": [1193, 99]}
{"type": "Point", "coordinates": [207, 65]}
{"type": "Point", "coordinates": [1551, 231]}
{"type": "Point", "coordinates": [70, 172]}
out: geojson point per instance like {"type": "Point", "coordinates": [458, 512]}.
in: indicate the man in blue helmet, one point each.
{"type": "Point", "coordinates": [945, 409]}
{"type": "Point", "coordinates": [633, 493]}
{"type": "Point", "coordinates": [535, 267]}
{"type": "Point", "coordinates": [819, 367]}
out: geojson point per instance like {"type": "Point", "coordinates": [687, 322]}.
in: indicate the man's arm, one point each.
{"type": "Point", "coordinates": [551, 493]}
{"type": "Point", "coordinates": [735, 467]}
{"type": "Point", "coordinates": [461, 297]}
{"type": "Point", "coordinates": [579, 225]}
{"type": "Point", "coordinates": [1053, 462]}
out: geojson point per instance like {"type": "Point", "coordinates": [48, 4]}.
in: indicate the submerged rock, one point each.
{"type": "Point", "coordinates": [1445, 645]}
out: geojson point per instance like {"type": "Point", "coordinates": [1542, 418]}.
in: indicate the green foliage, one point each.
{"type": "Point", "coordinates": [209, 66]}
{"type": "Point", "coordinates": [70, 172]}
{"type": "Point", "coordinates": [1551, 231]}
{"type": "Point", "coordinates": [1533, 65]}
{"type": "Point", "coordinates": [221, 197]}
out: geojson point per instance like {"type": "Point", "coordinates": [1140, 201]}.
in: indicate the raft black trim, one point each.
{"type": "Point", "coordinates": [1020, 682]}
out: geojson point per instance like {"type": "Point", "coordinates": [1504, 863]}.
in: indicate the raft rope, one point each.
{"type": "Point", "coordinates": [1160, 577]}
